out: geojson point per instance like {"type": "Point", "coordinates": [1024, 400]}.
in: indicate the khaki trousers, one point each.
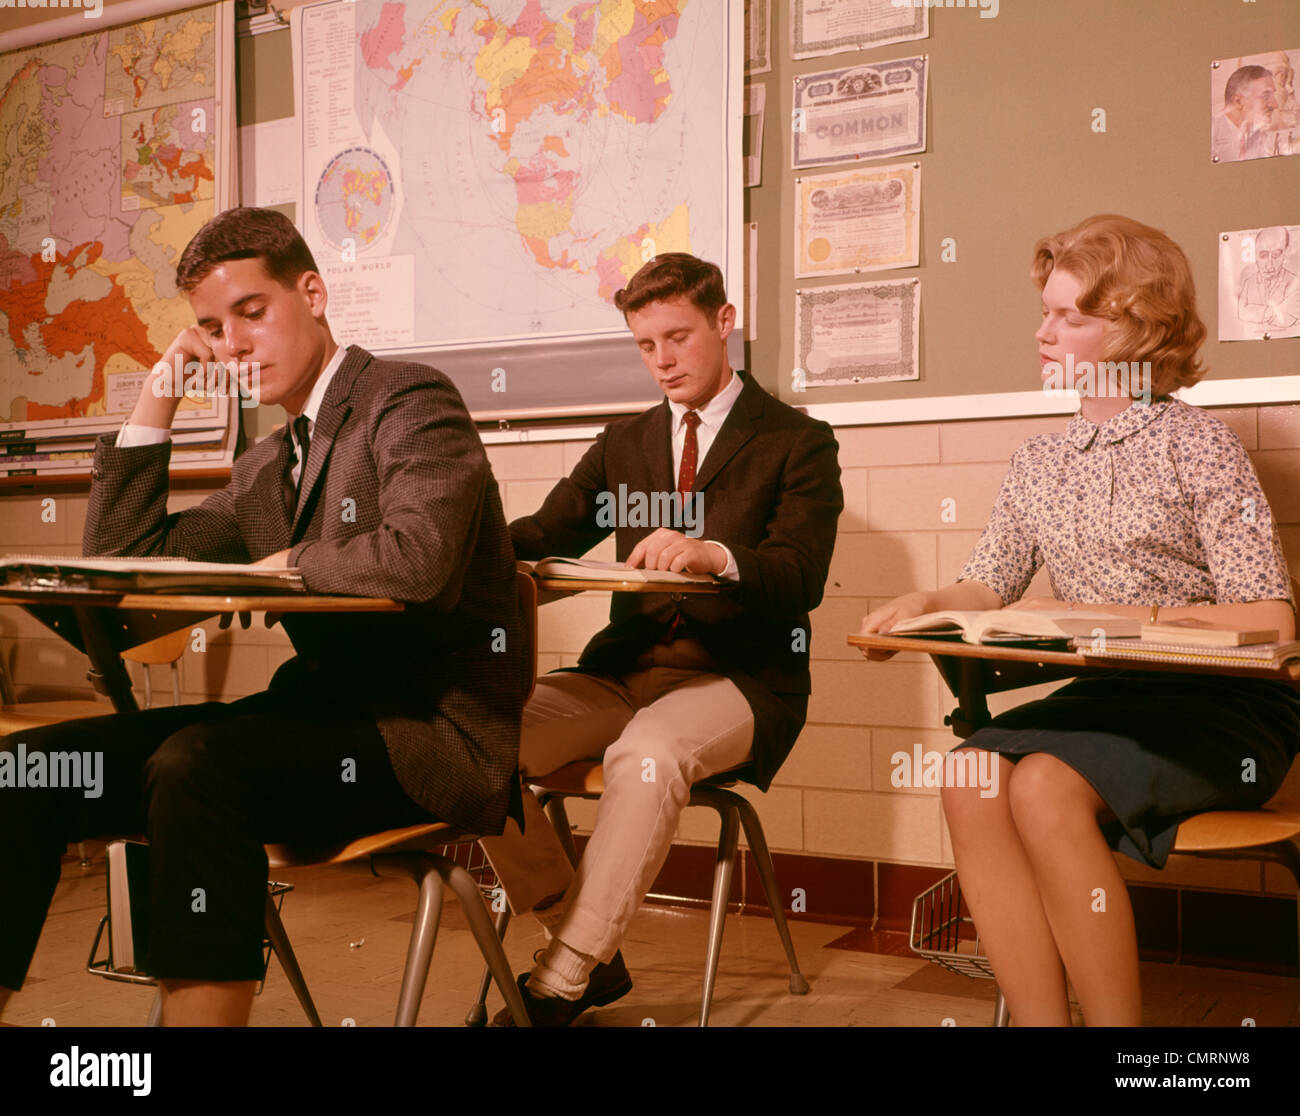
{"type": "Point", "coordinates": [668, 723]}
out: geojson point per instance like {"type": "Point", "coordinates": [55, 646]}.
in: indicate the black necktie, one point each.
{"type": "Point", "coordinates": [290, 489]}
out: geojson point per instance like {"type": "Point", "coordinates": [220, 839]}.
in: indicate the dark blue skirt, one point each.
{"type": "Point", "coordinates": [1159, 748]}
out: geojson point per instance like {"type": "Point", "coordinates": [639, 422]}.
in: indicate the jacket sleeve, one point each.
{"type": "Point", "coordinates": [566, 524]}
{"type": "Point", "coordinates": [431, 473]}
{"type": "Point", "coordinates": [126, 515]}
{"type": "Point", "coordinates": [785, 574]}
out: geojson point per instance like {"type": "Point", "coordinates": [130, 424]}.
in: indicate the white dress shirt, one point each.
{"type": "Point", "coordinates": [712, 415]}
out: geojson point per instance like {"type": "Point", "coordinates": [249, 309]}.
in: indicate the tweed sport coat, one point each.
{"type": "Point", "coordinates": [770, 487]}
{"type": "Point", "coordinates": [398, 501]}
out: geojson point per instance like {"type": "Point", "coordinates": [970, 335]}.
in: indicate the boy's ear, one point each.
{"type": "Point", "coordinates": [726, 321]}
{"type": "Point", "coordinates": [312, 287]}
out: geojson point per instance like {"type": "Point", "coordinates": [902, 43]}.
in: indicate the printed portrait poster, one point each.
{"type": "Point", "coordinates": [1259, 283]}
{"type": "Point", "coordinates": [1253, 109]}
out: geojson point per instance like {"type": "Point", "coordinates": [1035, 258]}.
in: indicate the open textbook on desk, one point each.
{"type": "Point", "coordinates": [590, 569]}
{"type": "Point", "coordinates": [1014, 625]}
{"type": "Point", "coordinates": [60, 573]}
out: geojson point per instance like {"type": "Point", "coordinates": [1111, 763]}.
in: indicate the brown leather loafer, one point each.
{"type": "Point", "coordinates": [607, 983]}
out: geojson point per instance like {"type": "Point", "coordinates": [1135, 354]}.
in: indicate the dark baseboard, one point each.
{"type": "Point", "coordinates": [1233, 930]}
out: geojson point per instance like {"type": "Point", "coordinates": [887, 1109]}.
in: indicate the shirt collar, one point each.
{"type": "Point", "coordinates": [1133, 418]}
{"type": "Point", "coordinates": [312, 407]}
{"type": "Point", "coordinates": [714, 413]}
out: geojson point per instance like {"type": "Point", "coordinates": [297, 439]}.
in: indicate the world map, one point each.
{"type": "Point", "coordinates": [108, 156]}
{"type": "Point", "coordinates": [542, 152]}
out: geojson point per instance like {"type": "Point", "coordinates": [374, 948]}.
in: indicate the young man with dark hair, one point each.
{"type": "Point", "coordinates": [673, 690]}
{"type": "Point", "coordinates": [377, 486]}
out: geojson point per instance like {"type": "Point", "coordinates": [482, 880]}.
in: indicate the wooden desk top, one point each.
{"type": "Point", "coordinates": [187, 602]}
{"type": "Point", "coordinates": [959, 649]}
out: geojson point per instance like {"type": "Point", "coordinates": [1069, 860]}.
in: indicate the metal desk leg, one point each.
{"type": "Point", "coordinates": [972, 712]}
{"type": "Point", "coordinates": [107, 670]}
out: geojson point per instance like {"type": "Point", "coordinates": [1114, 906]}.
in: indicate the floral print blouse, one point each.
{"type": "Point", "coordinates": [1157, 505]}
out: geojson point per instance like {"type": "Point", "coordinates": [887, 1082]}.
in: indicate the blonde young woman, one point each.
{"type": "Point", "coordinates": [1134, 506]}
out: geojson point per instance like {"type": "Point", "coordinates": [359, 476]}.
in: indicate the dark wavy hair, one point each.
{"type": "Point", "coordinates": [671, 275]}
{"type": "Point", "coordinates": [246, 234]}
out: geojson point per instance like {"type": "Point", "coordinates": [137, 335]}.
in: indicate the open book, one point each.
{"type": "Point", "coordinates": [590, 569]}
{"type": "Point", "coordinates": [35, 572]}
{"type": "Point", "coordinates": [1014, 625]}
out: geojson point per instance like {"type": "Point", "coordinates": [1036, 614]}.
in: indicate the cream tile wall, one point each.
{"type": "Point", "coordinates": [834, 797]}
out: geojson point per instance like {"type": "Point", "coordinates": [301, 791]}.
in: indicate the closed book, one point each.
{"type": "Point", "coordinates": [1267, 656]}
{"type": "Point", "coordinates": [1200, 633]}
{"type": "Point", "coordinates": [128, 906]}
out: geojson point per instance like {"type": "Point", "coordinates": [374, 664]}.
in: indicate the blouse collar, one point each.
{"type": "Point", "coordinates": [1133, 418]}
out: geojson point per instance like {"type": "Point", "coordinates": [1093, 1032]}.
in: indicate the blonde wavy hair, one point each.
{"type": "Point", "coordinates": [1140, 282]}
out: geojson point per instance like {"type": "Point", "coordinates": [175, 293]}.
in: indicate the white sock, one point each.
{"type": "Point", "coordinates": [562, 972]}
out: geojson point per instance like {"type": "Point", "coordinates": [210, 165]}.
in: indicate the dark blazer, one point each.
{"type": "Point", "coordinates": [770, 486]}
{"type": "Point", "coordinates": [398, 501]}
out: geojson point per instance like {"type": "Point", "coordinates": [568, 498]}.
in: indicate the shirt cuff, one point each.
{"type": "Point", "coordinates": [133, 434]}
{"type": "Point", "coordinates": [730, 573]}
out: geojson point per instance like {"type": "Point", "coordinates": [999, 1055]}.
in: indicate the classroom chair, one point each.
{"type": "Point", "coordinates": [586, 779]}
{"type": "Point", "coordinates": [18, 716]}
{"type": "Point", "coordinates": [165, 650]}
{"type": "Point", "coordinates": [410, 852]}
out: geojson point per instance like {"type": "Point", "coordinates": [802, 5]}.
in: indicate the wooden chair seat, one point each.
{"type": "Point", "coordinates": [37, 714]}
{"type": "Point", "coordinates": [586, 779]}
{"type": "Point", "coordinates": [1278, 820]}
{"type": "Point", "coordinates": [24, 715]}
{"type": "Point", "coordinates": [406, 839]}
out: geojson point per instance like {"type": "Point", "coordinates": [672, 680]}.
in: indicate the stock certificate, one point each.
{"type": "Point", "coordinates": [862, 112]}
{"type": "Point", "coordinates": [862, 220]}
{"type": "Point", "coordinates": [755, 113]}
{"type": "Point", "coordinates": [758, 36]}
{"type": "Point", "coordinates": [857, 334]}
{"type": "Point", "coordinates": [832, 26]}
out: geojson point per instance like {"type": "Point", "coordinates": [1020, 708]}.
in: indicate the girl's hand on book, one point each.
{"type": "Point", "coordinates": [886, 616]}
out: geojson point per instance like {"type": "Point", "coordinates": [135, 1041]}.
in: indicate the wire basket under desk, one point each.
{"type": "Point", "coordinates": [937, 921]}
{"type": "Point", "coordinates": [103, 966]}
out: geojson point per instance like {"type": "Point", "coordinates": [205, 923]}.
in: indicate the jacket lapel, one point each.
{"type": "Point", "coordinates": [738, 428]}
{"type": "Point", "coordinates": [657, 450]}
{"type": "Point", "coordinates": [269, 487]}
{"type": "Point", "coordinates": [334, 409]}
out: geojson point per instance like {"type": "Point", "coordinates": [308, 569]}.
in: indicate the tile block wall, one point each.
{"type": "Point", "coordinates": [834, 797]}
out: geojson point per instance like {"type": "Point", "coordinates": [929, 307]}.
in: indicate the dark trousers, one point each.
{"type": "Point", "coordinates": [208, 784]}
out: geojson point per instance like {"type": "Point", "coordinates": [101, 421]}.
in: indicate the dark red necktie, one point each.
{"type": "Point", "coordinates": [690, 453]}
{"type": "Point", "coordinates": [685, 483]}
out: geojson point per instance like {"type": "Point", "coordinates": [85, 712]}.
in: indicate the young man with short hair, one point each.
{"type": "Point", "coordinates": [673, 690]}
{"type": "Point", "coordinates": [377, 486]}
